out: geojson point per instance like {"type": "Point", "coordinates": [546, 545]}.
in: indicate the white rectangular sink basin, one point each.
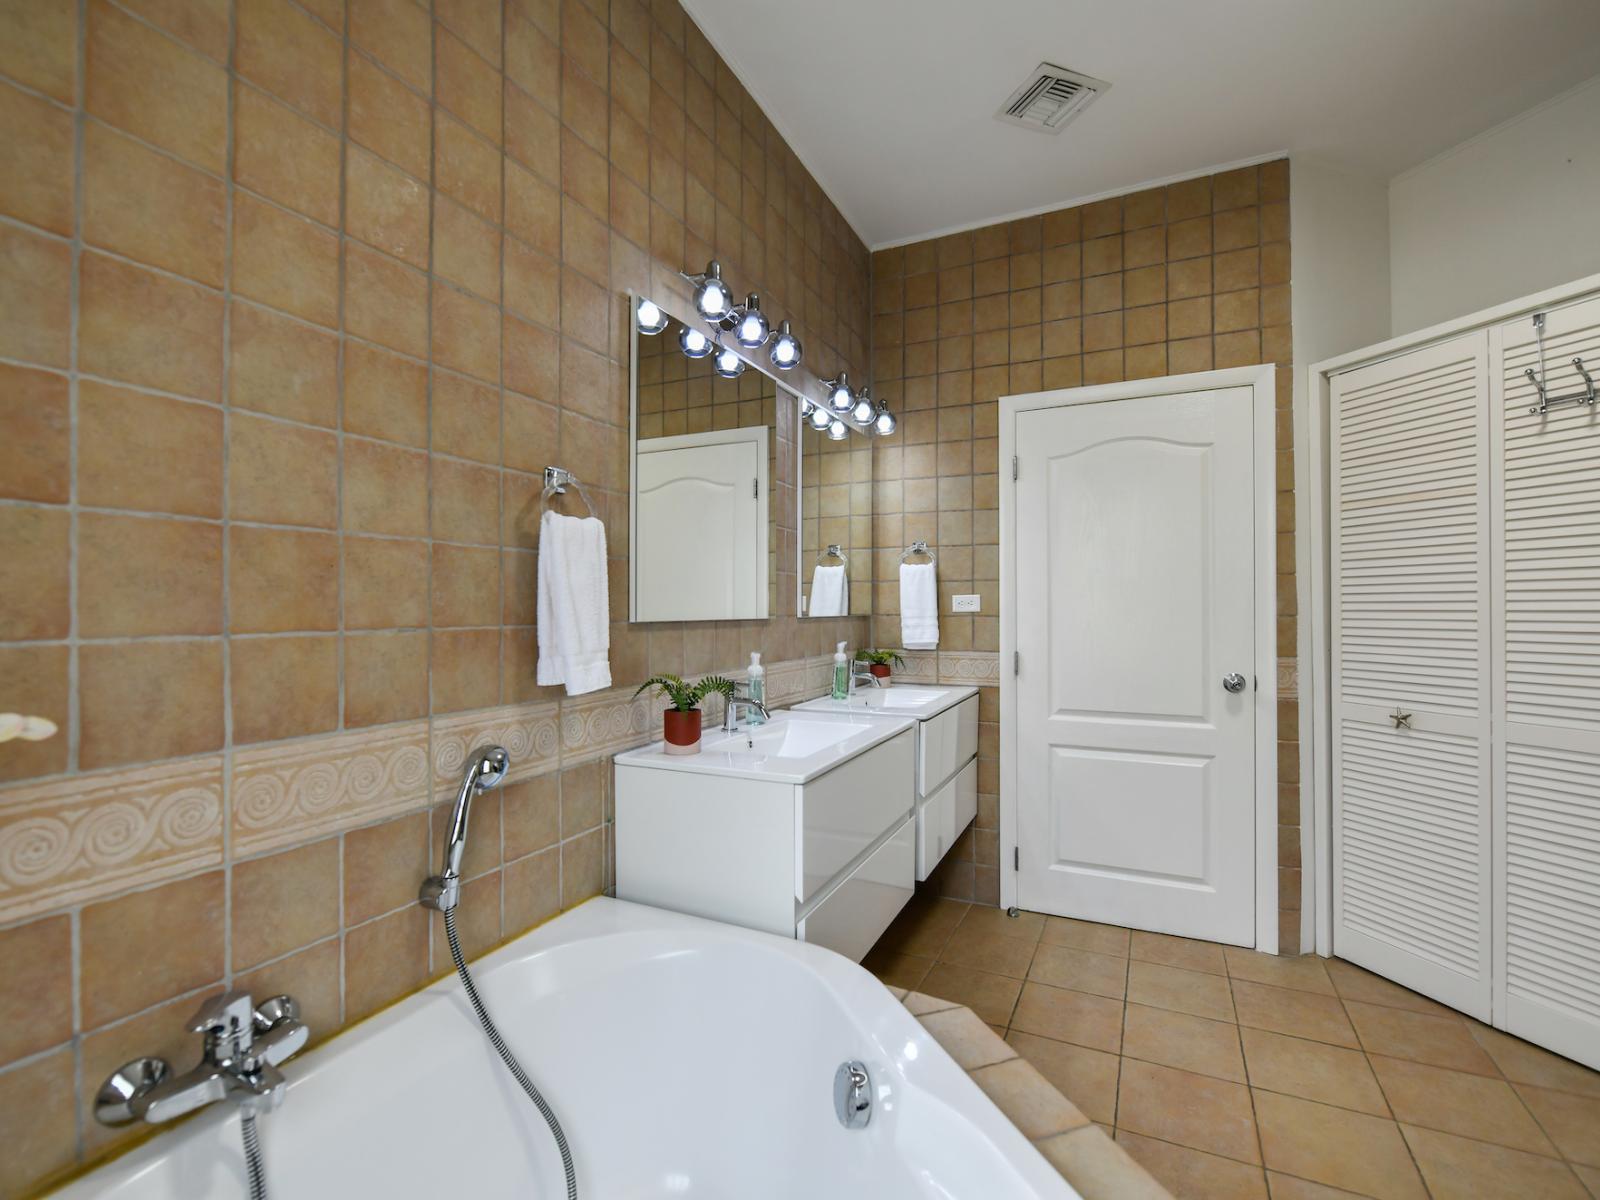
{"type": "Point", "coordinates": [898, 700]}
{"type": "Point", "coordinates": [792, 747]}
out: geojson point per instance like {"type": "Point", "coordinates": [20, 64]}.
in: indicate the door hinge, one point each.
{"type": "Point", "coordinates": [1014, 468]}
{"type": "Point", "coordinates": [755, 489]}
{"type": "Point", "coordinates": [1016, 858]}
{"type": "Point", "coordinates": [1016, 662]}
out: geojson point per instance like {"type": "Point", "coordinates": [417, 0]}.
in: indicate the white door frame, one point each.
{"type": "Point", "coordinates": [1312, 570]}
{"type": "Point", "coordinates": [1261, 379]}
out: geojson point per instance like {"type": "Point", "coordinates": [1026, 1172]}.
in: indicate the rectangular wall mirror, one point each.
{"type": "Point", "coordinates": [744, 503]}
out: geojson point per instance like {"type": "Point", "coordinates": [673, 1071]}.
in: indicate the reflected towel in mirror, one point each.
{"type": "Point", "coordinates": [574, 609]}
{"type": "Point", "coordinates": [830, 593]}
{"type": "Point", "coordinates": [919, 606]}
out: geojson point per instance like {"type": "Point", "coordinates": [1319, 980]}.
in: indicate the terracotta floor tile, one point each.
{"type": "Point", "coordinates": [1193, 1174]}
{"type": "Point", "coordinates": [1085, 935]}
{"type": "Point", "coordinates": [1298, 1014]}
{"type": "Point", "coordinates": [1356, 983]}
{"type": "Point", "coordinates": [1303, 973]}
{"type": "Point", "coordinates": [920, 1004]}
{"type": "Point", "coordinates": [1521, 1062]}
{"type": "Point", "coordinates": [1312, 1071]}
{"type": "Point", "coordinates": [1028, 1100]}
{"type": "Point", "coordinates": [923, 927]}
{"type": "Point", "coordinates": [1462, 1169]}
{"type": "Point", "coordinates": [1181, 1040]}
{"type": "Point", "coordinates": [1086, 1077]}
{"type": "Point", "coordinates": [1178, 952]}
{"type": "Point", "coordinates": [1590, 1177]}
{"type": "Point", "coordinates": [1419, 1037]}
{"type": "Point", "coordinates": [1287, 1187]}
{"type": "Point", "coordinates": [990, 996]}
{"type": "Point", "coordinates": [1099, 1168]}
{"type": "Point", "coordinates": [1194, 992]}
{"type": "Point", "coordinates": [1456, 1102]}
{"type": "Point", "coordinates": [1068, 1016]}
{"type": "Point", "coordinates": [966, 1039]}
{"type": "Point", "coordinates": [1081, 970]}
{"type": "Point", "coordinates": [1343, 1149]}
{"type": "Point", "coordinates": [984, 950]}
{"type": "Point", "coordinates": [1573, 1122]}
{"type": "Point", "coordinates": [1193, 1110]}
{"type": "Point", "coordinates": [1027, 926]}
{"type": "Point", "coordinates": [897, 970]}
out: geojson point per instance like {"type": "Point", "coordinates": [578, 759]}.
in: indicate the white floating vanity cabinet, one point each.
{"type": "Point", "coordinates": [826, 856]}
{"type": "Point", "coordinates": [947, 756]}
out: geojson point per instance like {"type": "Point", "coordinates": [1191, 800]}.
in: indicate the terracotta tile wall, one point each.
{"type": "Point", "coordinates": [296, 300]}
{"type": "Point", "coordinates": [1188, 277]}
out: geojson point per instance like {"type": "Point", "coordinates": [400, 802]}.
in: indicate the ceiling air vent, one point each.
{"type": "Point", "coordinates": [1050, 98]}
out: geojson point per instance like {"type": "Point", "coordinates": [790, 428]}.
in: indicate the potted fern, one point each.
{"type": "Point", "coordinates": [879, 661]}
{"type": "Point", "coordinates": [680, 724]}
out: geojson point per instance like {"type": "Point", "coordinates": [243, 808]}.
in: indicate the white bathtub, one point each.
{"type": "Point", "coordinates": [683, 1057]}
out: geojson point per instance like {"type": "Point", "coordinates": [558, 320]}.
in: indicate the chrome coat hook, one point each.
{"type": "Point", "coordinates": [1547, 401]}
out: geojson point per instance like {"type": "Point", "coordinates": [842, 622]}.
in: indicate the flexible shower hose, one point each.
{"type": "Point", "coordinates": [507, 1057]}
{"type": "Point", "coordinates": [252, 1155]}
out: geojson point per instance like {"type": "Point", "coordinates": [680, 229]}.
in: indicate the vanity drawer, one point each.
{"type": "Point", "coordinates": [854, 915]}
{"type": "Point", "coordinates": [945, 743]}
{"type": "Point", "coordinates": [845, 811]}
{"type": "Point", "coordinates": [944, 816]}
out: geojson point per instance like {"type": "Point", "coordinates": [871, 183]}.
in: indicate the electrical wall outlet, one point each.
{"type": "Point", "coordinates": [965, 603]}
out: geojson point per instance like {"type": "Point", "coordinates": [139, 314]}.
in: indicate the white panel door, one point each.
{"type": "Point", "coordinates": [1135, 593]}
{"type": "Point", "coordinates": [1547, 745]}
{"type": "Point", "coordinates": [700, 537]}
{"type": "Point", "coordinates": [1410, 581]}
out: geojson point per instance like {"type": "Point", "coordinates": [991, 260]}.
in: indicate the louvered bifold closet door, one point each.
{"type": "Point", "coordinates": [1547, 745]}
{"type": "Point", "coordinates": [1410, 670]}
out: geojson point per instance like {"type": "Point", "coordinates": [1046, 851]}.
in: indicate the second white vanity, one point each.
{"type": "Point", "coordinates": [947, 755]}
{"type": "Point", "coordinates": [802, 826]}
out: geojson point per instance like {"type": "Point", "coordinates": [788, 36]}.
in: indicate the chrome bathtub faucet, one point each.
{"type": "Point", "coordinates": [243, 1048]}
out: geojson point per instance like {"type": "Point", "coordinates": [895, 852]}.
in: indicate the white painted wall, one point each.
{"type": "Point", "coordinates": [1513, 211]}
{"type": "Point", "coordinates": [1339, 239]}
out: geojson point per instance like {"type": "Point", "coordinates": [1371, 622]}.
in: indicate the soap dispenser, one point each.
{"type": "Point", "coordinates": [757, 687]}
{"type": "Point", "coordinates": [841, 674]}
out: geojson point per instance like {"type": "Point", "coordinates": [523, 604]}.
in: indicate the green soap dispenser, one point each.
{"type": "Point", "coordinates": [757, 685]}
{"type": "Point", "coordinates": [841, 674]}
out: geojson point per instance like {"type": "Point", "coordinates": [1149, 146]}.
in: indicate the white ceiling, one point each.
{"type": "Point", "coordinates": [890, 103]}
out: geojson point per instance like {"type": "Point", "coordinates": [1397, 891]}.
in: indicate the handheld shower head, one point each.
{"type": "Point", "coordinates": [486, 768]}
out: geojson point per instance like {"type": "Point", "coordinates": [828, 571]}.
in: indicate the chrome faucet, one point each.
{"type": "Point", "coordinates": [244, 1046]}
{"type": "Point", "coordinates": [486, 768]}
{"type": "Point", "coordinates": [730, 714]}
{"type": "Point", "coordinates": [859, 673]}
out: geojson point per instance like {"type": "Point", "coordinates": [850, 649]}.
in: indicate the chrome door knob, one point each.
{"type": "Point", "coordinates": [1233, 681]}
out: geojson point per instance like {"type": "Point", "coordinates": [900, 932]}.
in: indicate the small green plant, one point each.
{"type": "Point", "coordinates": [880, 658]}
{"type": "Point", "coordinates": [686, 697]}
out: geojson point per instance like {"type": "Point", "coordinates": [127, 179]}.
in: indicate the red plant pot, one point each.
{"type": "Point", "coordinates": [880, 670]}
{"type": "Point", "coordinates": [681, 731]}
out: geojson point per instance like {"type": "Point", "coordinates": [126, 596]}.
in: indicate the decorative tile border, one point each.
{"type": "Point", "coordinates": [529, 732]}
{"type": "Point", "coordinates": [287, 795]}
{"type": "Point", "coordinates": [607, 723]}
{"type": "Point", "coordinates": [1288, 679]}
{"type": "Point", "coordinates": [980, 667]}
{"type": "Point", "coordinates": [76, 839]}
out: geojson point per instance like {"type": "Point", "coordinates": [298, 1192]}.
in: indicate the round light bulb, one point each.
{"type": "Point", "coordinates": [885, 422]}
{"type": "Point", "coordinates": [785, 348]}
{"type": "Point", "coordinates": [711, 294]}
{"type": "Point", "coordinates": [752, 330]}
{"type": "Point", "coordinates": [837, 430]}
{"type": "Point", "coordinates": [819, 417]}
{"type": "Point", "coordinates": [728, 364]}
{"type": "Point", "coordinates": [651, 319]}
{"type": "Point", "coordinates": [841, 398]}
{"type": "Point", "coordinates": [694, 343]}
{"type": "Point", "coordinates": [862, 412]}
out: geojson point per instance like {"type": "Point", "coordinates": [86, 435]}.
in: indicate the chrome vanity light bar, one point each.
{"type": "Point", "coordinates": [713, 300]}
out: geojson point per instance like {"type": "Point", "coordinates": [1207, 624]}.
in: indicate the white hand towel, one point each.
{"type": "Point", "coordinates": [919, 606]}
{"type": "Point", "coordinates": [574, 609]}
{"type": "Point", "coordinates": [830, 593]}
